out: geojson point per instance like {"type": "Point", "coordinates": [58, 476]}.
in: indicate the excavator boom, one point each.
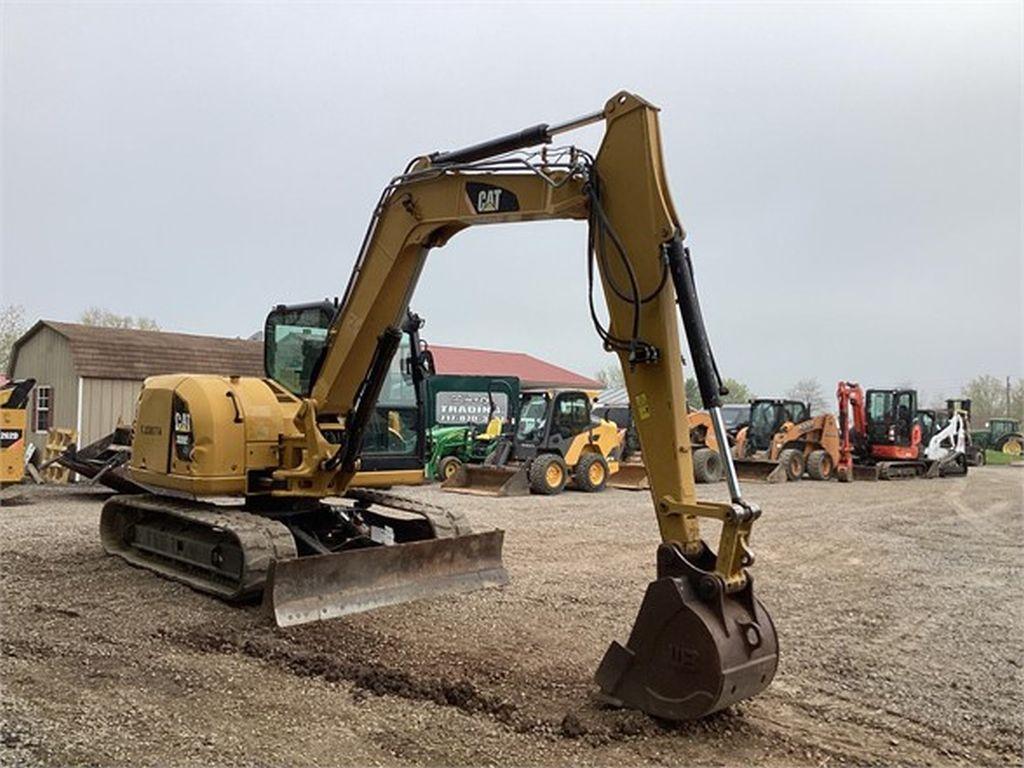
{"type": "Point", "coordinates": [701, 640]}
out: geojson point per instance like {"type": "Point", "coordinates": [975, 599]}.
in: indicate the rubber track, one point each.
{"type": "Point", "coordinates": [445, 522]}
{"type": "Point", "coordinates": [261, 540]}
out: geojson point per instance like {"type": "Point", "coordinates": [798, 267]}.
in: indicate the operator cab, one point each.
{"type": "Point", "coordinates": [550, 420]}
{"type": "Point", "coordinates": [931, 421]}
{"type": "Point", "coordinates": [891, 416]}
{"type": "Point", "coordinates": [294, 343]}
{"type": "Point", "coordinates": [767, 418]}
{"type": "Point", "coordinates": [736, 416]}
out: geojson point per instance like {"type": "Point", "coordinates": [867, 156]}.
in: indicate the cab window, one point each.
{"type": "Point", "coordinates": [797, 412]}
{"type": "Point", "coordinates": [533, 410]}
{"type": "Point", "coordinates": [572, 414]}
{"type": "Point", "coordinates": [879, 406]}
{"type": "Point", "coordinates": [394, 426]}
{"type": "Point", "coordinates": [927, 422]}
{"type": "Point", "coordinates": [293, 343]}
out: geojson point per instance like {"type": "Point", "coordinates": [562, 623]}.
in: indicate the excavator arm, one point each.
{"type": "Point", "coordinates": [701, 641]}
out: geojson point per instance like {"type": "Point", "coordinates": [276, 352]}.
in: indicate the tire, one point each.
{"type": "Point", "coordinates": [707, 466]}
{"type": "Point", "coordinates": [793, 460]}
{"type": "Point", "coordinates": [819, 465]}
{"type": "Point", "coordinates": [447, 467]}
{"type": "Point", "coordinates": [548, 474]}
{"type": "Point", "coordinates": [1012, 445]}
{"type": "Point", "coordinates": [591, 473]}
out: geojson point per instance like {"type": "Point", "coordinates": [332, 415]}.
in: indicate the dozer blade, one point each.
{"type": "Point", "coordinates": [489, 480]}
{"type": "Point", "coordinates": [322, 587]}
{"type": "Point", "coordinates": [763, 471]}
{"type": "Point", "coordinates": [689, 655]}
{"type": "Point", "coordinates": [631, 476]}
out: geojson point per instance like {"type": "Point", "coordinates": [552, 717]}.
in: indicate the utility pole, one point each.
{"type": "Point", "coordinates": [1008, 397]}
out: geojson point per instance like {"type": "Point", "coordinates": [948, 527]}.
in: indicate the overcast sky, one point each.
{"type": "Point", "coordinates": [849, 174]}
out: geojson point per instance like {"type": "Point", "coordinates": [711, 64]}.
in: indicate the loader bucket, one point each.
{"type": "Point", "coordinates": [763, 471]}
{"type": "Point", "coordinates": [690, 652]}
{"type": "Point", "coordinates": [631, 476]}
{"type": "Point", "coordinates": [489, 480]}
{"type": "Point", "coordinates": [306, 589]}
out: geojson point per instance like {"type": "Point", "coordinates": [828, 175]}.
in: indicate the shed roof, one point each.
{"type": "Point", "coordinates": [127, 353]}
{"type": "Point", "coordinates": [533, 373]}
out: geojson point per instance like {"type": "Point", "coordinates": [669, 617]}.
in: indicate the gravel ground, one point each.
{"type": "Point", "coordinates": [899, 608]}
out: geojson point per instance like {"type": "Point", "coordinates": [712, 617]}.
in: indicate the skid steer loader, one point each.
{"type": "Point", "coordinates": [753, 446]}
{"type": "Point", "coordinates": [556, 443]}
{"type": "Point", "coordinates": [250, 481]}
{"type": "Point", "coordinates": [808, 447]}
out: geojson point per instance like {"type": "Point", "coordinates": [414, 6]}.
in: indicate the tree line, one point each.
{"type": "Point", "coordinates": [13, 325]}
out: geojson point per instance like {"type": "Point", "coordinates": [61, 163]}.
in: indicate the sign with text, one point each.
{"type": "Point", "coordinates": [455, 408]}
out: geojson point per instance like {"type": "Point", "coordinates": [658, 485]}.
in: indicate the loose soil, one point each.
{"type": "Point", "coordinates": [899, 608]}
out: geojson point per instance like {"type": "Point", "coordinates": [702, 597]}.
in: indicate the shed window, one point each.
{"type": "Point", "coordinates": [42, 418]}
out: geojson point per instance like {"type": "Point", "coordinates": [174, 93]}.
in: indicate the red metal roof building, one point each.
{"type": "Point", "coordinates": [532, 373]}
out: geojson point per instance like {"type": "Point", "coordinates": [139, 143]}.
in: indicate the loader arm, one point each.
{"type": "Point", "coordinates": [636, 241]}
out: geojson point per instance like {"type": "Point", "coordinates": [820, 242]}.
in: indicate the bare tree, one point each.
{"type": "Point", "coordinates": [12, 326]}
{"type": "Point", "coordinates": [809, 391]}
{"type": "Point", "coordinates": [988, 398]}
{"type": "Point", "coordinates": [104, 318]}
{"type": "Point", "coordinates": [610, 376]}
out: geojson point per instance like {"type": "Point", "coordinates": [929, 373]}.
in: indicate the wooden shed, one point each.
{"type": "Point", "coordinates": [88, 378]}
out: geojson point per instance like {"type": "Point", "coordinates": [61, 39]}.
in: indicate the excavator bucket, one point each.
{"type": "Point", "coordinates": [306, 589]}
{"type": "Point", "coordinates": [489, 480]}
{"type": "Point", "coordinates": [691, 652]}
{"type": "Point", "coordinates": [632, 476]}
{"type": "Point", "coordinates": [762, 471]}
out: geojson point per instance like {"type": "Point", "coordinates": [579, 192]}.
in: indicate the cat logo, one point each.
{"type": "Point", "coordinates": [182, 422]}
{"type": "Point", "coordinates": [487, 198]}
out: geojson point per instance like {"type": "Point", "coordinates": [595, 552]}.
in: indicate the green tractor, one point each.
{"type": "Point", "coordinates": [1001, 435]}
{"type": "Point", "coordinates": [451, 447]}
{"type": "Point", "coordinates": [471, 442]}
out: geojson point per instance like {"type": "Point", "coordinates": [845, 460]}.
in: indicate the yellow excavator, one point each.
{"type": "Point", "coordinates": [249, 482]}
